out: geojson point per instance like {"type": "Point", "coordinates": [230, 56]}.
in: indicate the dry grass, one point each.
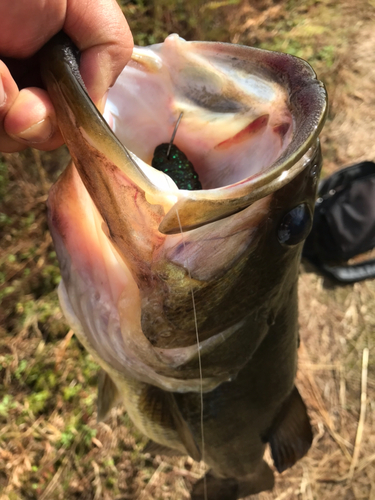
{"type": "Point", "coordinates": [50, 444]}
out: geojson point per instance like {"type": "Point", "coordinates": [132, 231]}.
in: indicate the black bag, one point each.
{"type": "Point", "coordinates": [344, 223]}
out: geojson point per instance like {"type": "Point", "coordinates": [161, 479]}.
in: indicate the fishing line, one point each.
{"type": "Point", "coordinates": [199, 358]}
{"type": "Point", "coordinates": [168, 158]}
{"type": "Point", "coordinates": [174, 134]}
{"type": "Point", "coordinates": [195, 323]}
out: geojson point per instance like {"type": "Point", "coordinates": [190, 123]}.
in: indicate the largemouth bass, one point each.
{"type": "Point", "coordinates": [188, 299]}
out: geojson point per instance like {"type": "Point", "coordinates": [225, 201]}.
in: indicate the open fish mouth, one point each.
{"type": "Point", "coordinates": [248, 116]}
{"type": "Point", "coordinates": [236, 118]}
{"type": "Point", "coordinates": [133, 248]}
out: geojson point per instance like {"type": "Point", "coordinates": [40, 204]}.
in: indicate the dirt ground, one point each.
{"type": "Point", "coordinates": [50, 444]}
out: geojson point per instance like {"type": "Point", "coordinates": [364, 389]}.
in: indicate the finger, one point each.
{"type": "Point", "coordinates": [31, 120]}
{"type": "Point", "coordinates": [27, 25]}
{"type": "Point", "coordinates": [8, 94]}
{"type": "Point", "coordinates": [100, 31]}
{"type": "Point", "coordinates": [98, 28]}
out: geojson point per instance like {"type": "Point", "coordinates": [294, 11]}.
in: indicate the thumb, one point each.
{"type": "Point", "coordinates": [101, 33]}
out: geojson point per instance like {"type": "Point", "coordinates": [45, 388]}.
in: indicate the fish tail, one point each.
{"type": "Point", "coordinates": [211, 487]}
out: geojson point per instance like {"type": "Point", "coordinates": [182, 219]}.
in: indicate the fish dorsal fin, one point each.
{"type": "Point", "coordinates": [290, 436]}
{"type": "Point", "coordinates": [108, 395]}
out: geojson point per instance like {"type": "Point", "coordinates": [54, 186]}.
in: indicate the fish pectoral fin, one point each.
{"type": "Point", "coordinates": [168, 425]}
{"type": "Point", "coordinates": [183, 429]}
{"type": "Point", "coordinates": [158, 449]}
{"type": "Point", "coordinates": [108, 395]}
{"type": "Point", "coordinates": [290, 436]}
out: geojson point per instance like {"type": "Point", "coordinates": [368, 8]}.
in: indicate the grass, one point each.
{"type": "Point", "coordinates": [51, 446]}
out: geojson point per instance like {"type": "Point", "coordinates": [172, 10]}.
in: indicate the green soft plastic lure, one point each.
{"type": "Point", "coordinates": [169, 159]}
{"type": "Point", "coordinates": [177, 166]}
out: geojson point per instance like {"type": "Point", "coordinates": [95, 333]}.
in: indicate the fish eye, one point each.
{"type": "Point", "coordinates": [295, 225]}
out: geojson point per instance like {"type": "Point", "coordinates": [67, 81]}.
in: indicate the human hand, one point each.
{"type": "Point", "coordinates": [99, 30]}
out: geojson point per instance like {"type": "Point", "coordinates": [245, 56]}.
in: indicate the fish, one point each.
{"type": "Point", "coordinates": [187, 299]}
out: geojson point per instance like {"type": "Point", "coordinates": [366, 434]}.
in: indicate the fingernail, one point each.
{"type": "Point", "coordinates": [2, 92]}
{"type": "Point", "coordinates": [37, 133]}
